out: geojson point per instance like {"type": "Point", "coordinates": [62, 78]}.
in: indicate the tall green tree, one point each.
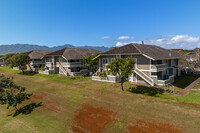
{"type": "Point", "coordinates": [8, 58]}
{"type": "Point", "coordinates": [11, 94]}
{"type": "Point", "coordinates": [112, 48]}
{"type": "Point", "coordinates": [20, 60]}
{"type": "Point", "coordinates": [90, 62]}
{"type": "Point", "coordinates": [121, 67]}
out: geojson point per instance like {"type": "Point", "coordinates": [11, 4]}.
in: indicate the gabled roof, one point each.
{"type": "Point", "coordinates": [38, 54]}
{"type": "Point", "coordinates": [70, 53]}
{"type": "Point", "coordinates": [152, 51]}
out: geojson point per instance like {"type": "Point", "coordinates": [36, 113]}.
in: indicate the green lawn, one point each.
{"type": "Point", "coordinates": [197, 86]}
{"type": "Point", "coordinates": [185, 80]}
{"type": "Point", "coordinates": [55, 77]}
{"type": "Point", "coordinates": [193, 97]}
{"type": "Point", "coordinates": [10, 70]}
{"type": "Point", "coordinates": [62, 100]}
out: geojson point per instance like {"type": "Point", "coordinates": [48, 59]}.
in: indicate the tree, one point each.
{"type": "Point", "coordinates": [20, 60]}
{"type": "Point", "coordinates": [112, 48]}
{"type": "Point", "coordinates": [92, 63]}
{"type": "Point", "coordinates": [121, 67]}
{"type": "Point", "coordinates": [8, 58]}
{"type": "Point", "coordinates": [11, 94]}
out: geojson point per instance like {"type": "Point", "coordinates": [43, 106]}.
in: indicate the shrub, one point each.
{"type": "Point", "coordinates": [151, 91]}
{"type": "Point", "coordinates": [42, 69]}
{"type": "Point", "coordinates": [109, 72]}
{"type": "Point", "coordinates": [102, 74]}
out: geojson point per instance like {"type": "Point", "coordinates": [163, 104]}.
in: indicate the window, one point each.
{"type": "Point", "coordinates": [169, 63]}
{"type": "Point", "coordinates": [159, 62]}
{"type": "Point", "coordinates": [105, 61]}
{"type": "Point", "coordinates": [58, 60]}
{"type": "Point", "coordinates": [153, 62]}
{"type": "Point", "coordinates": [73, 60]}
{"type": "Point", "coordinates": [48, 60]}
{"type": "Point", "coordinates": [154, 73]}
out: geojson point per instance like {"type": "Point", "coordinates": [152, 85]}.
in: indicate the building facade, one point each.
{"type": "Point", "coordinates": [36, 61]}
{"type": "Point", "coordinates": [153, 65]}
{"type": "Point", "coordinates": [67, 61]}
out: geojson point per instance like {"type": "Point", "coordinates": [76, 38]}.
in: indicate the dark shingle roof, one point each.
{"type": "Point", "coordinates": [70, 53]}
{"type": "Point", "coordinates": [152, 51]}
{"type": "Point", "coordinates": [128, 49]}
{"type": "Point", "coordinates": [38, 54]}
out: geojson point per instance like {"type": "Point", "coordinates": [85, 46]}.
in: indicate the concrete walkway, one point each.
{"type": "Point", "coordinates": [189, 87]}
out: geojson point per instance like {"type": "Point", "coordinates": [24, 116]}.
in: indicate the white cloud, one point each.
{"type": "Point", "coordinates": [125, 37]}
{"type": "Point", "coordinates": [176, 41]}
{"type": "Point", "coordinates": [170, 41]}
{"type": "Point", "coordinates": [119, 44]}
{"type": "Point", "coordinates": [105, 37]}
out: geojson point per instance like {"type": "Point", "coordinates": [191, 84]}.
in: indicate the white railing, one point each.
{"type": "Point", "coordinates": [167, 81]}
{"type": "Point", "coordinates": [109, 78]}
{"type": "Point", "coordinates": [158, 67]}
{"type": "Point", "coordinates": [47, 72]}
{"type": "Point", "coordinates": [37, 62]}
{"type": "Point", "coordinates": [70, 64]}
{"type": "Point", "coordinates": [63, 69]}
{"type": "Point", "coordinates": [144, 76]}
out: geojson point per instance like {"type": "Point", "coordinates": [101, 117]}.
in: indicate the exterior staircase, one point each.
{"type": "Point", "coordinates": [144, 76]}
{"type": "Point", "coordinates": [63, 70]}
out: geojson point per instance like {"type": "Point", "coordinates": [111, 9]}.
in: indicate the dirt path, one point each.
{"type": "Point", "coordinates": [189, 87]}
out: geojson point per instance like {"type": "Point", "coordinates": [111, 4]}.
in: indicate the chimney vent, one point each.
{"type": "Point", "coordinates": [170, 53]}
{"type": "Point", "coordinates": [142, 42]}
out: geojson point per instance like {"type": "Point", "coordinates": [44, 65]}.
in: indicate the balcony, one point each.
{"type": "Point", "coordinates": [165, 81]}
{"type": "Point", "coordinates": [47, 72]}
{"type": "Point", "coordinates": [158, 67]}
{"type": "Point", "coordinates": [82, 72]}
{"type": "Point", "coordinates": [37, 62]}
{"type": "Point", "coordinates": [71, 64]}
{"type": "Point", "coordinates": [109, 78]}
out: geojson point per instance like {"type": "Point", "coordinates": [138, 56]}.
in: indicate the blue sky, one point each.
{"type": "Point", "coordinates": [167, 23]}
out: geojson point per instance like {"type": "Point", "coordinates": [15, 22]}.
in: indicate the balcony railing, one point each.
{"type": "Point", "coordinates": [37, 62]}
{"type": "Point", "coordinates": [109, 78]}
{"type": "Point", "coordinates": [167, 81]}
{"type": "Point", "coordinates": [158, 67]}
{"type": "Point", "coordinates": [71, 64]}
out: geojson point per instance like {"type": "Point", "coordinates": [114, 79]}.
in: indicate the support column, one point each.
{"type": "Point", "coordinates": [100, 64]}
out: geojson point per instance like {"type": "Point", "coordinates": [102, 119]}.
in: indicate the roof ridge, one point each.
{"type": "Point", "coordinates": [136, 47]}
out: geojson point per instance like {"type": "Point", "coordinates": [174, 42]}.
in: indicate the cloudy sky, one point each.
{"type": "Point", "coordinates": [166, 23]}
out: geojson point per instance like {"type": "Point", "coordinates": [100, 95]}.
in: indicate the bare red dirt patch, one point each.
{"type": "Point", "coordinates": [91, 119]}
{"type": "Point", "coordinates": [147, 127]}
{"type": "Point", "coordinates": [39, 95]}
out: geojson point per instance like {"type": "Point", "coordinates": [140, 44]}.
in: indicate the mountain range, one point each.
{"type": "Point", "coordinates": [18, 48]}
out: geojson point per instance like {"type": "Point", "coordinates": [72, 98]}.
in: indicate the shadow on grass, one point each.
{"type": "Point", "coordinates": [29, 73]}
{"type": "Point", "coordinates": [185, 80]}
{"type": "Point", "coordinates": [150, 91]}
{"type": "Point", "coordinates": [27, 109]}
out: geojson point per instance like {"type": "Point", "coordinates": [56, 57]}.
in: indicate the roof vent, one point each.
{"type": "Point", "coordinates": [170, 53]}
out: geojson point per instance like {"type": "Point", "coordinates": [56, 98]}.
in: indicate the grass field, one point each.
{"type": "Point", "coordinates": [84, 105]}
{"type": "Point", "coordinates": [197, 86]}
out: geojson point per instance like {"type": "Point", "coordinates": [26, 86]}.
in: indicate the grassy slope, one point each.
{"type": "Point", "coordinates": [197, 86]}
{"type": "Point", "coordinates": [49, 77]}
{"type": "Point", "coordinates": [62, 99]}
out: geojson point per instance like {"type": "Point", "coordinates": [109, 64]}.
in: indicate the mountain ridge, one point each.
{"type": "Point", "coordinates": [18, 48]}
